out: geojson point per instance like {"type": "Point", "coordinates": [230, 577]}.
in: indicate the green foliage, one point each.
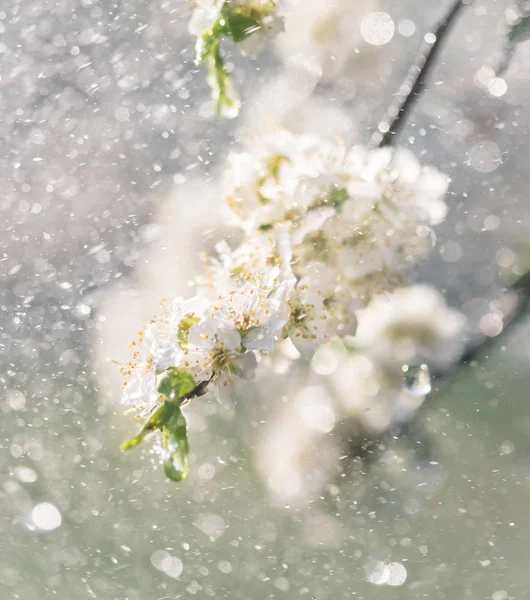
{"type": "Point", "coordinates": [238, 26]}
{"type": "Point", "coordinates": [156, 421]}
{"type": "Point", "coordinates": [177, 385]}
{"type": "Point", "coordinates": [175, 441]}
{"type": "Point", "coordinates": [237, 22]}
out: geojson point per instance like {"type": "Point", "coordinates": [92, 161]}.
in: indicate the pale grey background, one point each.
{"type": "Point", "coordinates": [99, 112]}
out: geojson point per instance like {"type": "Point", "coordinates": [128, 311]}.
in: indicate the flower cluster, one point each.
{"type": "Point", "coordinates": [357, 218]}
{"type": "Point", "coordinates": [413, 326]}
{"type": "Point", "coordinates": [361, 391]}
{"type": "Point", "coordinates": [329, 31]}
{"type": "Point", "coordinates": [324, 229]}
{"type": "Point", "coordinates": [246, 22]}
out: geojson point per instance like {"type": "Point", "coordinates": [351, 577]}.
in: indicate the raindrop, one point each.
{"type": "Point", "coordinates": [377, 28]}
{"type": "Point", "coordinates": [397, 574]}
{"type": "Point", "coordinates": [229, 111]}
{"type": "Point", "coordinates": [27, 475]}
{"type": "Point", "coordinates": [46, 517]}
{"type": "Point", "coordinates": [417, 379]}
{"type": "Point", "coordinates": [377, 572]}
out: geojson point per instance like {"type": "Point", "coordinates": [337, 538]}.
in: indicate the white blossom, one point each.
{"type": "Point", "coordinates": [154, 351]}
{"type": "Point", "coordinates": [279, 178]}
{"type": "Point", "coordinates": [324, 229]}
{"type": "Point", "coordinates": [411, 326]}
{"type": "Point", "coordinates": [317, 313]}
{"type": "Point", "coordinates": [205, 14]}
{"type": "Point", "coordinates": [295, 453]}
{"type": "Point", "coordinates": [215, 349]}
{"type": "Point", "coordinates": [329, 32]}
{"type": "Point", "coordinates": [365, 387]}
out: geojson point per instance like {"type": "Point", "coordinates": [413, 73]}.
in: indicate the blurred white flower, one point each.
{"type": "Point", "coordinates": [277, 179]}
{"type": "Point", "coordinates": [328, 31]}
{"type": "Point", "coordinates": [295, 455]}
{"type": "Point", "coordinates": [204, 16]}
{"type": "Point", "coordinates": [362, 391]}
{"type": "Point", "coordinates": [411, 326]}
{"type": "Point", "coordinates": [373, 396]}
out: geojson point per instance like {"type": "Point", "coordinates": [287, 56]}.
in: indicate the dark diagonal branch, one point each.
{"type": "Point", "coordinates": [414, 83]}
{"type": "Point", "coordinates": [518, 297]}
{"type": "Point", "coordinates": [390, 127]}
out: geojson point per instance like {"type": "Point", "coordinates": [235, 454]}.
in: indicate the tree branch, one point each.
{"type": "Point", "coordinates": [515, 314]}
{"type": "Point", "coordinates": [414, 83]}
{"type": "Point", "coordinates": [369, 448]}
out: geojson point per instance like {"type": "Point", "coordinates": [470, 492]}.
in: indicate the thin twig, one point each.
{"type": "Point", "coordinates": [414, 83]}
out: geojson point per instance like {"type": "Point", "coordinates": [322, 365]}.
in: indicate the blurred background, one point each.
{"type": "Point", "coordinates": [109, 171]}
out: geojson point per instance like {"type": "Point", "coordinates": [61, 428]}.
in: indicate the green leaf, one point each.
{"type": "Point", "coordinates": [238, 26]}
{"type": "Point", "coordinates": [168, 418]}
{"type": "Point", "coordinates": [177, 384]}
{"type": "Point", "coordinates": [158, 418]}
{"type": "Point", "coordinates": [175, 432]}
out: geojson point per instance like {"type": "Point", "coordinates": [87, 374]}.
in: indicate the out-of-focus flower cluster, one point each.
{"type": "Point", "coordinates": [325, 228]}
{"type": "Point", "coordinates": [246, 22]}
{"type": "Point", "coordinates": [351, 395]}
{"type": "Point", "coordinates": [331, 33]}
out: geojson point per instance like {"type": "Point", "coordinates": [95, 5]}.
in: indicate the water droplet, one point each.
{"type": "Point", "coordinates": [27, 475]}
{"type": "Point", "coordinates": [377, 572]}
{"type": "Point", "coordinates": [176, 464]}
{"type": "Point", "coordinates": [417, 379]}
{"type": "Point", "coordinates": [46, 517]}
{"type": "Point", "coordinates": [377, 28]}
{"type": "Point", "coordinates": [229, 110]}
{"type": "Point", "coordinates": [397, 574]}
